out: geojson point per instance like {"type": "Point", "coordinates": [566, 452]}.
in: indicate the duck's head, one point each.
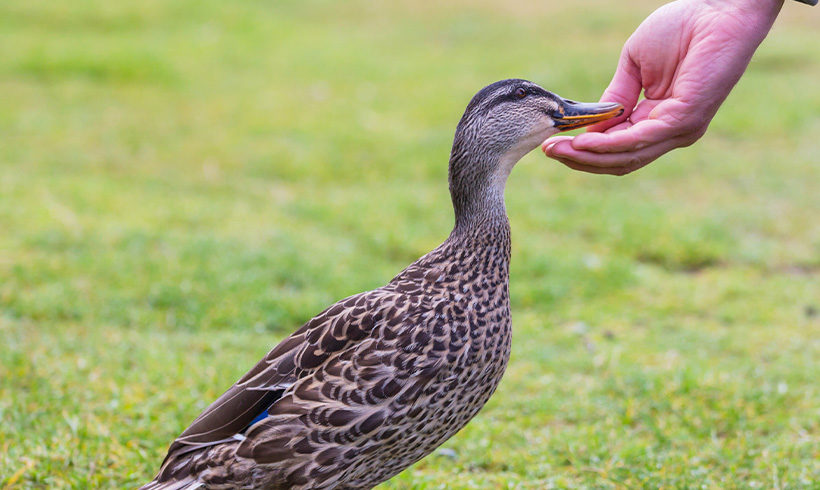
{"type": "Point", "coordinates": [512, 117]}
{"type": "Point", "coordinates": [503, 122]}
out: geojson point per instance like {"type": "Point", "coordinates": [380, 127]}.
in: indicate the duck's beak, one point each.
{"type": "Point", "coordinates": [572, 115]}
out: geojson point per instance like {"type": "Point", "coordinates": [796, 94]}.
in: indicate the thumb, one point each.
{"type": "Point", "coordinates": [625, 89]}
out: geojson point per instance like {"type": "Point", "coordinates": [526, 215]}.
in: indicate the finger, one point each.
{"type": "Point", "coordinates": [557, 146]}
{"type": "Point", "coordinates": [615, 160]}
{"type": "Point", "coordinates": [615, 163]}
{"type": "Point", "coordinates": [635, 137]}
{"type": "Point", "coordinates": [644, 109]}
{"type": "Point", "coordinates": [625, 88]}
{"type": "Point", "coordinates": [608, 142]}
{"type": "Point", "coordinates": [549, 142]}
{"type": "Point", "coordinates": [641, 112]}
{"type": "Point", "coordinates": [589, 168]}
{"type": "Point", "coordinates": [620, 127]}
{"type": "Point", "coordinates": [652, 122]}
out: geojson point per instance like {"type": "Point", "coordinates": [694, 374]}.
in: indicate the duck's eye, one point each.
{"type": "Point", "coordinates": [520, 93]}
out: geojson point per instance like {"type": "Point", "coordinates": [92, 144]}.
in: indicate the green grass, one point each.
{"type": "Point", "coordinates": [184, 183]}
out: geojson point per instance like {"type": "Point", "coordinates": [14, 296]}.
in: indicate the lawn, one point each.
{"type": "Point", "coordinates": [184, 183]}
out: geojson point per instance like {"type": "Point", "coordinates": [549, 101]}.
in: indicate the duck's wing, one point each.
{"type": "Point", "coordinates": [338, 423]}
{"type": "Point", "coordinates": [344, 323]}
{"type": "Point", "coordinates": [343, 385]}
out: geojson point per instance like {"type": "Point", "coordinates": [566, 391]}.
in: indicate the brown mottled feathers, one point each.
{"type": "Point", "coordinates": [367, 387]}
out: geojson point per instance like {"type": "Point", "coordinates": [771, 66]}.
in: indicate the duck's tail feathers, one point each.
{"type": "Point", "coordinates": [187, 483]}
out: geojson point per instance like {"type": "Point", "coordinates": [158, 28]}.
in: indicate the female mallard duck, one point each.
{"type": "Point", "coordinates": [380, 379]}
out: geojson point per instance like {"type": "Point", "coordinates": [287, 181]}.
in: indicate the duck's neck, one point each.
{"type": "Point", "coordinates": [477, 192]}
{"type": "Point", "coordinates": [480, 241]}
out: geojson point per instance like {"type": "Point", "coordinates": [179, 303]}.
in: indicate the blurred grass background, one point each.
{"type": "Point", "coordinates": [184, 183]}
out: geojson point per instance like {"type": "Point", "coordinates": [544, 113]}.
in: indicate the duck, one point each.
{"type": "Point", "coordinates": [380, 379]}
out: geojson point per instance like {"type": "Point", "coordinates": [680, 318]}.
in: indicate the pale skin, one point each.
{"type": "Point", "coordinates": [686, 57]}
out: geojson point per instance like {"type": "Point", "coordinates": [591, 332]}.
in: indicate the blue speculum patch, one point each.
{"type": "Point", "coordinates": [256, 419]}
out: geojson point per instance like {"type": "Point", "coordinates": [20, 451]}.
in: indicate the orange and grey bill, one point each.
{"type": "Point", "coordinates": [573, 115]}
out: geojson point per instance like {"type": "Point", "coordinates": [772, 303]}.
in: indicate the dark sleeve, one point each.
{"type": "Point", "coordinates": [808, 2]}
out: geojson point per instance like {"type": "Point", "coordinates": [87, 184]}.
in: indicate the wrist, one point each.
{"type": "Point", "coordinates": [754, 17]}
{"type": "Point", "coordinates": [766, 9]}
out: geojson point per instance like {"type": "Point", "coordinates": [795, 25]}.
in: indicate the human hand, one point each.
{"type": "Point", "coordinates": [686, 56]}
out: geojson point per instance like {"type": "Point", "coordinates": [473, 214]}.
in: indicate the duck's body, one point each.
{"type": "Point", "coordinates": [380, 379]}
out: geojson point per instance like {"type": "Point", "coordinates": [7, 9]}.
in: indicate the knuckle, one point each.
{"type": "Point", "coordinates": [690, 138]}
{"type": "Point", "coordinates": [684, 125]}
{"type": "Point", "coordinates": [635, 162]}
{"type": "Point", "coordinates": [692, 129]}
